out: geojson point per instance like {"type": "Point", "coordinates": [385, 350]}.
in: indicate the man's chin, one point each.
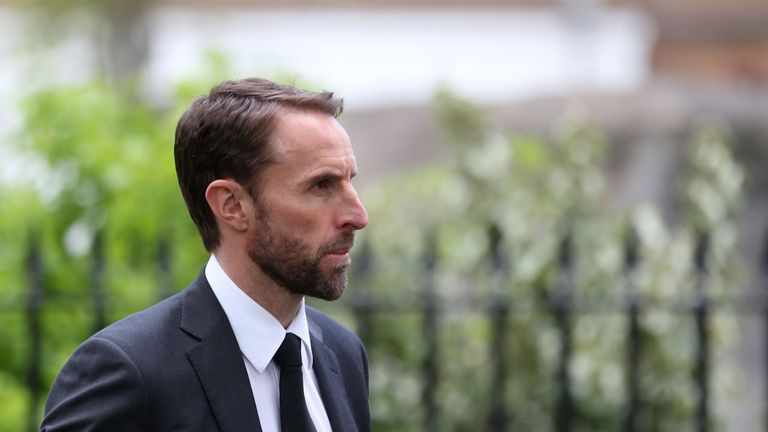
{"type": "Point", "coordinates": [333, 288]}
{"type": "Point", "coordinates": [331, 296]}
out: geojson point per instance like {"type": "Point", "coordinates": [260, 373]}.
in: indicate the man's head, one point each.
{"type": "Point", "coordinates": [268, 167]}
{"type": "Point", "coordinates": [226, 134]}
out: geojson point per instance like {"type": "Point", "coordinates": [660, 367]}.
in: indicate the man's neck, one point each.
{"type": "Point", "coordinates": [277, 300]}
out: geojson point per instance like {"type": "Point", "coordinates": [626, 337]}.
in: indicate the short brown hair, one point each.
{"type": "Point", "coordinates": [227, 133]}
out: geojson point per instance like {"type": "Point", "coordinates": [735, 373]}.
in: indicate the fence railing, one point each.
{"type": "Point", "coordinates": [564, 304]}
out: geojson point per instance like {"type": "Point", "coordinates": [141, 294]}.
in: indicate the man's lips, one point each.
{"type": "Point", "coordinates": [340, 251]}
{"type": "Point", "coordinates": [338, 248]}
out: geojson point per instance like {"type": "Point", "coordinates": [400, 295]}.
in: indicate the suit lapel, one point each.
{"type": "Point", "coordinates": [217, 360]}
{"type": "Point", "coordinates": [331, 383]}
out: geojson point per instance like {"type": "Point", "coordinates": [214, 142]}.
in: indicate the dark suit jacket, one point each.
{"type": "Point", "coordinates": [177, 367]}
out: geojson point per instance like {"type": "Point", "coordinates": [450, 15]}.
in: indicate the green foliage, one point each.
{"type": "Point", "coordinates": [103, 169]}
{"type": "Point", "coordinates": [101, 172]}
{"type": "Point", "coordinates": [535, 193]}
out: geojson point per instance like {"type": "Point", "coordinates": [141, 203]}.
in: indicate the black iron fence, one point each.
{"type": "Point", "coordinates": [564, 304]}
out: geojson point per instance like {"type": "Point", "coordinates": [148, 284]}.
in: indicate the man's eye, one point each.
{"type": "Point", "coordinates": [322, 184]}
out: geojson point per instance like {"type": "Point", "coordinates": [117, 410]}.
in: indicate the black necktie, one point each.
{"type": "Point", "coordinates": [294, 416]}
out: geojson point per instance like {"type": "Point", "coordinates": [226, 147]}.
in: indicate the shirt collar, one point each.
{"type": "Point", "coordinates": [258, 333]}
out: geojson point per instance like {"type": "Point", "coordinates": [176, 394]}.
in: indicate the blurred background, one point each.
{"type": "Point", "coordinates": [568, 198]}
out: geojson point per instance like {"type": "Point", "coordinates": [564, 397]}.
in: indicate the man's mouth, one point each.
{"type": "Point", "coordinates": [337, 252]}
{"type": "Point", "coordinates": [340, 251]}
{"type": "Point", "coordinates": [340, 246]}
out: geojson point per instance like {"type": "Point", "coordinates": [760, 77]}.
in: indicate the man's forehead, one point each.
{"type": "Point", "coordinates": [309, 134]}
{"type": "Point", "coordinates": [315, 160]}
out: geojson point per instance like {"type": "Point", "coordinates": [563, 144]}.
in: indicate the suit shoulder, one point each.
{"type": "Point", "coordinates": [144, 324]}
{"type": "Point", "coordinates": [106, 382]}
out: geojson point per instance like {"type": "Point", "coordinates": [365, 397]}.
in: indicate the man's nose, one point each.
{"type": "Point", "coordinates": [354, 216]}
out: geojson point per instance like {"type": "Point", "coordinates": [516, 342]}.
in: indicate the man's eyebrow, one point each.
{"type": "Point", "coordinates": [322, 175]}
{"type": "Point", "coordinates": [331, 173]}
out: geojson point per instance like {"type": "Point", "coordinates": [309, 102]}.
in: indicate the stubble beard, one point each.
{"type": "Point", "coordinates": [286, 261]}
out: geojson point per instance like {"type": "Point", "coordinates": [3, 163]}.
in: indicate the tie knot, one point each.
{"type": "Point", "coordinates": [289, 353]}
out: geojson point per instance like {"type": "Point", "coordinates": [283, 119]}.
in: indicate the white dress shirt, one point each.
{"type": "Point", "coordinates": [259, 335]}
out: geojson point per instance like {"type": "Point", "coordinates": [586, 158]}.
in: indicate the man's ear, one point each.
{"type": "Point", "coordinates": [228, 202]}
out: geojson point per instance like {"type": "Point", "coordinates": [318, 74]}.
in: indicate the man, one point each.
{"type": "Point", "coordinates": [266, 172]}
